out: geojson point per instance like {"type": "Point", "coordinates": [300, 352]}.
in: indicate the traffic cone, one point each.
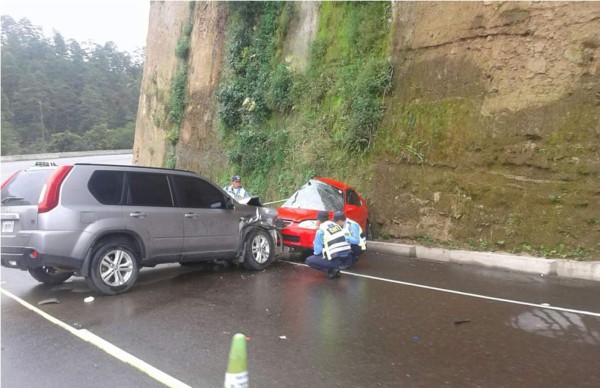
{"type": "Point", "coordinates": [237, 373]}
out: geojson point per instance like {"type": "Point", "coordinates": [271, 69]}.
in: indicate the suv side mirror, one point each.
{"type": "Point", "coordinates": [229, 203]}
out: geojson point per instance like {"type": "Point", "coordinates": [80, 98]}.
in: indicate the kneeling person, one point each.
{"type": "Point", "coordinates": [331, 250]}
{"type": "Point", "coordinates": [353, 233]}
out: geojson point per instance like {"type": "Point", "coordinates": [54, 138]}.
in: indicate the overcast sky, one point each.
{"type": "Point", "coordinates": [124, 22]}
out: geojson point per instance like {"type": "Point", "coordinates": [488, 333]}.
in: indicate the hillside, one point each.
{"type": "Point", "coordinates": [464, 124]}
{"type": "Point", "coordinates": [59, 95]}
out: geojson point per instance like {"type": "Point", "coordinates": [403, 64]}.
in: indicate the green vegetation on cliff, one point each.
{"type": "Point", "coordinates": [281, 127]}
{"type": "Point", "coordinates": [178, 88]}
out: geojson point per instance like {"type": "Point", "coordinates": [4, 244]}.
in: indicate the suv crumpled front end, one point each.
{"type": "Point", "coordinates": [265, 219]}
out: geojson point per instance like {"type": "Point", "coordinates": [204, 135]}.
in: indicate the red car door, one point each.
{"type": "Point", "coordinates": [355, 208]}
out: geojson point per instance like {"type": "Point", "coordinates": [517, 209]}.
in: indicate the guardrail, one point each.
{"type": "Point", "coordinates": [57, 155]}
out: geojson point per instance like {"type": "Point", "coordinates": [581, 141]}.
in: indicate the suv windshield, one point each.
{"type": "Point", "coordinates": [316, 195]}
{"type": "Point", "coordinates": [25, 188]}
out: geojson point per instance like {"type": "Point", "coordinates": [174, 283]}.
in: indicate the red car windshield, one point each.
{"type": "Point", "coordinates": [316, 195]}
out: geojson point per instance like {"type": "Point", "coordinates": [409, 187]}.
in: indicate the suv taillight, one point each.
{"type": "Point", "coordinates": [9, 179]}
{"type": "Point", "coordinates": [50, 191]}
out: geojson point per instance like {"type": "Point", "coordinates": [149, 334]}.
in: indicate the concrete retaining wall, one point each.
{"type": "Point", "coordinates": [528, 264]}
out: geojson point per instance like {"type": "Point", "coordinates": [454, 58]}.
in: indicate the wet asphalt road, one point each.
{"type": "Point", "coordinates": [373, 327]}
{"type": "Point", "coordinates": [307, 331]}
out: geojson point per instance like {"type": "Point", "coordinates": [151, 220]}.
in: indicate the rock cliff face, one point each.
{"type": "Point", "coordinates": [525, 54]}
{"type": "Point", "coordinates": [198, 148]}
{"type": "Point", "coordinates": [166, 22]}
{"type": "Point", "coordinates": [489, 135]}
{"type": "Point", "coordinates": [501, 103]}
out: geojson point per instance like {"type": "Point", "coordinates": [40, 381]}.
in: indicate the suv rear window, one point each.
{"type": "Point", "coordinates": [25, 187]}
{"type": "Point", "coordinates": [107, 186]}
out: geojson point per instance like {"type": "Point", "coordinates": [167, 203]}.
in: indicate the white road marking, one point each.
{"type": "Point", "coordinates": [543, 305]}
{"type": "Point", "coordinates": [104, 345]}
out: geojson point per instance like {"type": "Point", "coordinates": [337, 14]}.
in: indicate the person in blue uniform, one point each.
{"type": "Point", "coordinates": [235, 189]}
{"type": "Point", "coordinates": [354, 235]}
{"type": "Point", "coordinates": [331, 250]}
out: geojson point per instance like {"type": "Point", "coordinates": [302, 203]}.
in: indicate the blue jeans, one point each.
{"type": "Point", "coordinates": [320, 263]}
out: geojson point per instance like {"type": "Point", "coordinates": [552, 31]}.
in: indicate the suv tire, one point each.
{"type": "Point", "coordinates": [49, 275]}
{"type": "Point", "coordinates": [260, 250]}
{"type": "Point", "coordinates": [114, 268]}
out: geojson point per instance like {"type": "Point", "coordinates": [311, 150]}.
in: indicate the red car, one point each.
{"type": "Point", "coordinates": [299, 212]}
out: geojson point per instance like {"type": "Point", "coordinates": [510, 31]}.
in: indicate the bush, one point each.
{"type": "Point", "coordinates": [183, 48]}
{"type": "Point", "coordinates": [366, 106]}
{"type": "Point", "coordinates": [178, 94]}
{"type": "Point", "coordinates": [123, 137]}
{"type": "Point", "coordinates": [69, 141]}
{"type": "Point", "coordinates": [230, 97]}
{"type": "Point", "coordinates": [10, 141]}
{"type": "Point", "coordinates": [173, 136]}
{"type": "Point", "coordinates": [280, 92]}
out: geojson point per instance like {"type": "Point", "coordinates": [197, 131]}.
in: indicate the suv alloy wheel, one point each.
{"type": "Point", "coordinates": [259, 251]}
{"type": "Point", "coordinates": [114, 268]}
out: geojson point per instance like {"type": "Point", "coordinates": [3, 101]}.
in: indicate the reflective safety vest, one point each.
{"type": "Point", "coordinates": [238, 193]}
{"type": "Point", "coordinates": [334, 241]}
{"type": "Point", "coordinates": [362, 236]}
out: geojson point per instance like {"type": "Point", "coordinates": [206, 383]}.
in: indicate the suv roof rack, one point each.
{"type": "Point", "coordinates": [44, 163]}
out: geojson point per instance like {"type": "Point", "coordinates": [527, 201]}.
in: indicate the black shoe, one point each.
{"type": "Point", "coordinates": [333, 273]}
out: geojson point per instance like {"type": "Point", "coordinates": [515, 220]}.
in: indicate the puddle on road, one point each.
{"type": "Point", "coordinates": [557, 324]}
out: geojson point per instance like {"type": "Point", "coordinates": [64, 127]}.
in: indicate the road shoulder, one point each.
{"type": "Point", "coordinates": [544, 266]}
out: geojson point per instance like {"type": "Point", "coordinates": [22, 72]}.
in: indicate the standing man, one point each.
{"type": "Point", "coordinates": [235, 189]}
{"type": "Point", "coordinates": [331, 250]}
{"type": "Point", "coordinates": [353, 234]}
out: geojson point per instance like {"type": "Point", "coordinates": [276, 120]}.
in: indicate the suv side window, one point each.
{"type": "Point", "coordinates": [107, 186]}
{"type": "Point", "coordinates": [197, 193]}
{"type": "Point", "coordinates": [148, 189]}
{"type": "Point", "coordinates": [352, 198]}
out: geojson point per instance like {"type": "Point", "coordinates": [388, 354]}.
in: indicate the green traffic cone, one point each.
{"type": "Point", "coordinates": [237, 372]}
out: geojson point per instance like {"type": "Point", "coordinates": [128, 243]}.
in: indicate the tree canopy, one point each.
{"type": "Point", "coordinates": [62, 95]}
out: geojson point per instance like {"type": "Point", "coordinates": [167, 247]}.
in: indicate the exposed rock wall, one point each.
{"type": "Point", "coordinates": [527, 53]}
{"type": "Point", "coordinates": [489, 137]}
{"type": "Point", "coordinates": [301, 33]}
{"type": "Point", "coordinates": [498, 104]}
{"type": "Point", "coordinates": [166, 21]}
{"type": "Point", "coordinates": [198, 148]}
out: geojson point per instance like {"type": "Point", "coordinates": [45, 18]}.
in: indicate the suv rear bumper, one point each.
{"type": "Point", "coordinates": [21, 258]}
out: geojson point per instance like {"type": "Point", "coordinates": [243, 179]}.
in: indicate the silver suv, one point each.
{"type": "Point", "coordinates": [105, 222]}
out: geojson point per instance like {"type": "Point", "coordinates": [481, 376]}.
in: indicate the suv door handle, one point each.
{"type": "Point", "coordinates": [190, 215]}
{"type": "Point", "coordinates": [137, 215]}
